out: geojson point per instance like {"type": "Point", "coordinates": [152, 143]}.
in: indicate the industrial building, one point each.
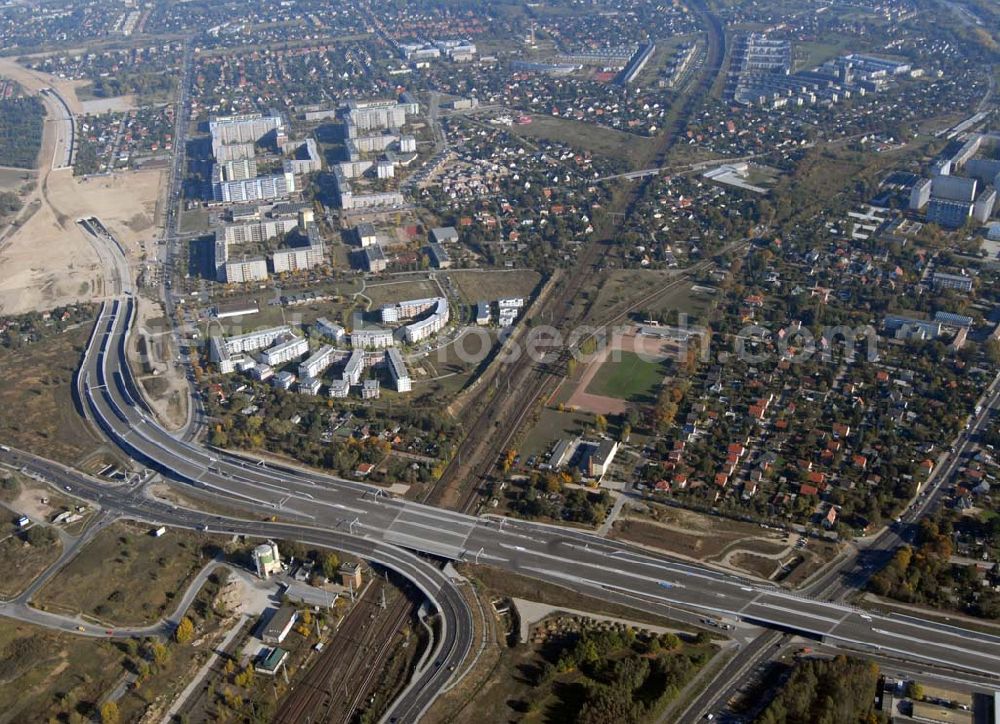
{"type": "Point", "coordinates": [266, 559]}
{"type": "Point", "coordinates": [397, 370]}
{"type": "Point", "coordinates": [279, 625]}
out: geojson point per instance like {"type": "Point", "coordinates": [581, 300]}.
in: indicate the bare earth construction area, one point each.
{"type": "Point", "coordinates": [49, 261]}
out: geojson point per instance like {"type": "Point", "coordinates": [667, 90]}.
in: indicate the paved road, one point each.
{"type": "Point", "coordinates": [454, 622]}
{"type": "Point", "coordinates": [577, 560]}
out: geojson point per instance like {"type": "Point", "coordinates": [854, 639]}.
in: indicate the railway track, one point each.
{"type": "Point", "coordinates": [497, 423]}
{"type": "Point", "coordinates": [334, 685]}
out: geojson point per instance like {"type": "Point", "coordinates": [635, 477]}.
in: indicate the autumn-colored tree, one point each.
{"type": "Point", "coordinates": [185, 631]}
{"type": "Point", "coordinates": [109, 713]}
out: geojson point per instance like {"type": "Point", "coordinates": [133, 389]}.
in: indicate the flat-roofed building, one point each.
{"type": "Point", "coordinates": [424, 328]}
{"type": "Point", "coordinates": [285, 351]}
{"type": "Point", "coordinates": [444, 235]}
{"type": "Point", "coordinates": [960, 282]}
{"type": "Point", "coordinates": [317, 362]}
{"type": "Point", "coordinates": [374, 259]}
{"type": "Point", "coordinates": [339, 388]}
{"type": "Point", "coordinates": [365, 235]}
{"type": "Point", "coordinates": [397, 370]}
{"type": "Point", "coordinates": [243, 269]}
{"type": "Point", "coordinates": [308, 385]}
{"type": "Point", "coordinates": [482, 313]}
{"type": "Point", "coordinates": [406, 309]}
{"type": "Point", "coordinates": [354, 367]}
{"type": "Point", "coordinates": [949, 214]}
{"type": "Point", "coordinates": [330, 330]}
{"type": "Point", "coordinates": [371, 338]}
{"type": "Point", "coordinates": [439, 256]}
{"type": "Point", "coordinates": [920, 194]}
{"type": "Point", "coordinates": [953, 188]}
{"type": "Point", "coordinates": [370, 390]}
{"type": "Point", "coordinates": [982, 210]}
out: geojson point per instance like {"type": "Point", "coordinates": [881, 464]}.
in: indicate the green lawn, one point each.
{"type": "Point", "coordinates": [625, 376]}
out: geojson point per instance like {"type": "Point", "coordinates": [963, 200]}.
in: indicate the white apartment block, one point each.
{"type": "Point", "coordinates": [371, 338]}
{"type": "Point", "coordinates": [284, 352]}
{"type": "Point", "coordinates": [317, 362]}
{"type": "Point", "coordinates": [235, 170]}
{"type": "Point", "coordinates": [339, 388]}
{"type": "Point", "coordinates": [330, 330]}
{"type": "Point", "coordinates": [227, 351]}
{"type": "Point", "coordinates": [397, 370]}
{"type": "Point", "coordinates": [256, 232]}
{"type": "Point", "coordinates": [376, 117]}
{"type": "Point", "coordinates": [312, 162]}
{"type": "Point", "coordinates": [354, 367]}
{"type": "Point", "coordinates": [260, 188]}
{"type": "Point", "coordinates": [407, 309]}
{"type": "Point", "coordinates": [243, 269]}
{"type": "Point", "coordinates": [234, 151]}
{"type": "Point", "coordinates": [294, 259]}
{"type": "Point", "coordinates": [424, 328]}
{"type": "Point", "coordinates": [244, 128]}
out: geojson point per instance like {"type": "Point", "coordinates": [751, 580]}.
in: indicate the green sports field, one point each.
{"type": "Point", "coordinates": [627, 378]}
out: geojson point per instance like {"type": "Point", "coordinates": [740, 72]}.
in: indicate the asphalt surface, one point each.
{"type": "Point", "coordinates": [577, 560]}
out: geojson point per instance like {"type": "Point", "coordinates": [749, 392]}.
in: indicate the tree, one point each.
{"type": "Point", "coordinates": [109, 713]}
{"type": "Point", "coordinates": [331, 562]}
{"type": "Point", "coordinates": [602, 423]}
{"type": "Point", "coordinates": [915, 690]}
{"type": "Point", "coordinates": [185, 631]}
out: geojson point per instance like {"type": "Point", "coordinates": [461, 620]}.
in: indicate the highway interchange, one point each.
{"type": "Point", "coordinates": [364, 521]}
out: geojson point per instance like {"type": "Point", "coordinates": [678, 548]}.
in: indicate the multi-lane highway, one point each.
{"type": "Point", "coordinates": [576, 560]}
{"type": "Point", "coordinates": [454, 623]}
